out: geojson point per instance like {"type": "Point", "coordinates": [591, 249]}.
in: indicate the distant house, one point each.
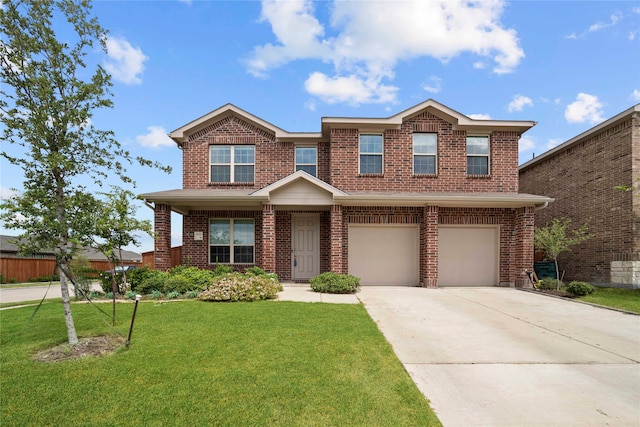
{"type": "Point", "coordinates": [14, 266]}
{"type": "Point", "coordinates": [9, 249]}
{"type": "Point", "coordinates": [581, 174]}
{"type": "Point", "coordinates": [427, 197]}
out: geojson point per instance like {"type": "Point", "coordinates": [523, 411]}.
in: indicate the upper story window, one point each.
{"type": "Point", "coordinates": [477, 155]}
{"type": "Point", "coordinates": [425, 153]}
{"type": "Point", "coordinates": [231, 241]}
{"type": "Point", "coordinates": [307, 160]}
{"type": "Point", "coordinates": [232, 163]}
{"type": "Point", "coordinates": [370, 154]}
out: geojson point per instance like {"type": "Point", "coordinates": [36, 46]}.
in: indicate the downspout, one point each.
{"type": "Point", "coordinates": [542, 206]}
{"type": "Point", "coordinates": [149, 205]}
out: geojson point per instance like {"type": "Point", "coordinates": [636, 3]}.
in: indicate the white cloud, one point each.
{"type": "Point", "coordinates": [434, 85]}
{"type": "Point", "coordinates": [352, 89]}
{"type": "Point", "coordinates": [479, 116]}
{"type": "Point", "coordinates": [526, 144]}
{"type": "Point", "coordinates": [6, 193]}
{"type": "Point", "coordinates": [518, 103]}
{"type": "Point", "coordinates": [156, 137]}
{"type": "Point", "coordinates": [613, 20]}
{"type": "Point", "coordinates": [368, 39]}
{"type": "Point", "coordinates": [310, 105]}
{"type": "Point", "coordinates": [585, 108]}
{"type": "Point", "coordinates": [635, 96]}
{"type": "Point", "coordinates": [124, 62]}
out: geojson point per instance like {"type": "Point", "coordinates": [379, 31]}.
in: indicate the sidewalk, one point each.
{"type": "Point", "coordinates": [302, 293]}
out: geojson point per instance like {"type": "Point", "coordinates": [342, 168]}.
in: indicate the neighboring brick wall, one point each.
{"type": "Point", "coordinates": [398, 161]}
{"type": "Point", "coordinates": [582, 178]}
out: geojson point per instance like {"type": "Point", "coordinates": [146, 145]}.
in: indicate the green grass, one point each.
{"type": "Point", "coordinates": [625, 299]}
{"type": "Point", "coordinates": [194, 363]}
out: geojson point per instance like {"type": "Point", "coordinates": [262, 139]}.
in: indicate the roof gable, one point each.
{"type": "Point", "coordinates": [309, 183]}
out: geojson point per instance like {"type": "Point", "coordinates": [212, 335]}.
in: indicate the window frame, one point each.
{"type": "Point", "coordinates": [487, 155]}
{"type": "Point", "coordinates": [434, 154]}
{"type": "Point", "coordinates": [232, 163]}
{"type": "Point", "coordinates": [295, 159]}
{"type": "Point", "coordinates": [232, 245]}
{"type": "Point", "coordinates": [360, 153]}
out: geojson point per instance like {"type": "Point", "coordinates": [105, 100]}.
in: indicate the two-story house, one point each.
{"type": "Point", "coordinates": [426, 197]}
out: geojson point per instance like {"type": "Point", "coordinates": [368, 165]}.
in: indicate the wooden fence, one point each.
{"type": "Point", "coordinates": [24, 269]}
{"type": "Point", "coordinates": [176, 257]}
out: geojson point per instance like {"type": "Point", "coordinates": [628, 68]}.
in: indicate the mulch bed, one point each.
{"type": "Point", "coordinates": [93, 346]}
{"type": "Point", "coordinates": [563, 294]}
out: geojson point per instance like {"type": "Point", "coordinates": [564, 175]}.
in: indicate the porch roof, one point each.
{"type": "Point", "coordinates": [185, 200]}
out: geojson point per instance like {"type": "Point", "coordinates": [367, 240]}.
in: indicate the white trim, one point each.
{"type": "Point", "coordinates": [232, 164]}
{"type": "Point", "coordinates": [231, 244]}
{"type": "Point", "coordinates": [295, 157]}
{"type": "Point", "coordinates": [295, 176]}
{"type": "Point", "coordinates": [374, 154]}
{"type": "Point", "coordinates": [413, 156]}
{"type": "Point", "coordinates": [488, 155]}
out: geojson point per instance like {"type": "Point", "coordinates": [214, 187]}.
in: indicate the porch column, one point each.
{"type": "Point", "coordinates": [523, 247]}
{"type": "Point", "coordinates": [162, 244]}
{"type": "Point", "coordinates": [268, 238]}
{"type": "Point", "coordinates": [337, 265]}
{"type": "Point", "coordinates": [429, 247]}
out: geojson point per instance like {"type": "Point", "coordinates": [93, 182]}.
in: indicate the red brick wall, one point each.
{"type": "Point", "coordinates": [582, 178]}
{"type": "Point", "coordinates": [162, 229]}
{"type": "Point", "coordinates": [398, 161]}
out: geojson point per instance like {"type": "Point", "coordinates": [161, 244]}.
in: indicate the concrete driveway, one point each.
{"type": "Point", "coordinates": [503, 357]}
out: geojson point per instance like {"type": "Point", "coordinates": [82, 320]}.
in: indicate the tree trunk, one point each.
{"type": "Point", "coordinates": [557, 275]}
{"type": "Point", "coordinates": [66, 303]}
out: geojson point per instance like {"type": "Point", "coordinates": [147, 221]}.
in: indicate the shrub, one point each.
{"type": "Point", "coordinates": [108, 295]}
{"type": "Point", "coordinates": [198, 279]}
{"type": "Point", "coordinates": [155, 282]}
{"type": "Point", "coordinates": [255, 270]}
{"type": "Point", "coordinates": [221, 270]}
{"type": "Point", "coordinates": [139, 275]}
{"type": "Point", "coordinates": [173, 295]}
{"type": "Point", "coordinates": [548, 283]}
{"type": "Point", "coordinates": [178, 284]}
{"type": "Point", "coordinates": [334, 283]}
{"type": "Point", "coordinates": [156, 294]}
{"type": "Point", "coordinates": [191, 294]}
{"type": "Point", "coordinates": [580, 288]}
{"type": "Point", "coordinates": [241, 287]}
{"type": "Point", "coordinates": [95, 294]}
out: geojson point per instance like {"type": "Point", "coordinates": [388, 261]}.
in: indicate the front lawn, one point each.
{"type": "Point", "coordinates": [625, 299]}
{"type": "Point", "coordinates": [195, 363]}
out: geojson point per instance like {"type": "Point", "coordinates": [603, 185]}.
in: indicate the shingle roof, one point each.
{"type": "Point", "coordinates": [8, 244]}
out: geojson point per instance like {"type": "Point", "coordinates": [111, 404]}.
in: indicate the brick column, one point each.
{"type": "Point", "coordinates": [336, 239]}
{"type": "Point", "coordinates": [162, 244]}
{"type": "Point", "coordinates": [523, 248]}
{"type": "Point", "coordinates": [268, 238]}
{"type": "Point", "coordinates": [429, 247]}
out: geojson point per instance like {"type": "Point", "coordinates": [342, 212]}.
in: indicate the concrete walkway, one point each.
{"type": "Point", "coordinates": [503, 357]}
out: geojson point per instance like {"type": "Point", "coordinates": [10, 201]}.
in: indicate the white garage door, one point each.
{"type": "Point", "coordinates": [468, 256]}
{"type": "Point", "coordinates": [385, 254]}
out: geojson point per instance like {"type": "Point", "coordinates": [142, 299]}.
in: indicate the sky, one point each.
{"type": "Point", "coordinates": [567, 65]}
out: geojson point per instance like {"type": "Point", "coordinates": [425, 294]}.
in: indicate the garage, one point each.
{"type": "Point", "coordinates": [468, 255]}
{"type": "Point", "coordinates": [385, 255]}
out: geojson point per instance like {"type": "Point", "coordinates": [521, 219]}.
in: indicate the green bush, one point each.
{"type": "Point", "coordinates": [155, 282]}
{"type": "Point", "coordinates": [131, 295]}
{"type": "Point", "coordinates": [95, 295]}
{"type": "Point", "coordinates": [173, 295]}
{"type": "Point", "coordinates": [198, 279]}
{"type": "Point", "coordinates": [255, 270]}
{"type": "Point", "coordinates": [241, 287]}
{"type": "Point", "coordinates": [191, 294]}
{"type": "Point", "coordinates": [155, 294]}
{"type": "Point", "coordinates": [580, 289]}
{"type": "Point", "coordinates": [548, 283]}
{"type": "Point", "coordinates": [221, 270]}
{"type": "Point", "coordinates": [139, 275]}
{"type": "Point", "coordinates": [178, 284]}
{"type": "Point", "coordinates": [334, 283]}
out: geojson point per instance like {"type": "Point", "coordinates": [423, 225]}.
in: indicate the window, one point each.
{"type": "Point", "coordinates": [425, 152]}
{"type": "Point", "coordinates": [477, 155]}
{"type": "Point", "coordinates": [370, 154]}
{"type": "Point", "coordinates": [306, 160]}
{"type": "Point", "coordinates": [231, 241]}
{"type": "Point", "coordinates": [232, 163]}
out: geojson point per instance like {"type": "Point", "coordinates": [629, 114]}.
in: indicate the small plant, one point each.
{"type": "Point", "coordinates": [256, 271]}
{"type": "Point", "coordinates": [191, 294]}
{"type": "Point", "coordinates": [241, 287]}
{"type": "Point", "coordinates": [580, 289]}
{"type": "Point", "coordinates": [108, 295]}
{"type": "Point", "coordinates": [548, 284]}
{"type": "Point", "coordinates": [13, 280]}
{"type": "Point", "coordinates": [334, 283]}
{"type": "Point", "coordinates": [156, 294]}
{"type": "Point", "coordinates": [221, 270]}
{"type": "Point", "coordinates": [131, 295]}
{"type": "Point", "coordinates": [95, 294]}
{"type": "Point", "coordinates": [173, 295]}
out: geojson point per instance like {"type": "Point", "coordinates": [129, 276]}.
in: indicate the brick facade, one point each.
{"type": "Point", "coordinates": [337, 166]}
{"type": "Point", "coordinates": [582, 175]}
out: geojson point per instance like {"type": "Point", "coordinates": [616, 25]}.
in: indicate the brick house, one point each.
{"type": "Point", "coordinates": [426, 197]}
{"type": "Point", "coordinates": [581, 174]}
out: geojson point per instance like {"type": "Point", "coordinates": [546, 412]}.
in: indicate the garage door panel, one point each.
{"type": "Point", "coordinates": [384, 254]}
{"type": "Point", "coordinates": [468, 256]}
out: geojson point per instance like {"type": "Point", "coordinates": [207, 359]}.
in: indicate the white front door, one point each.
{"type": "Point", "coordinates": [305, 246]}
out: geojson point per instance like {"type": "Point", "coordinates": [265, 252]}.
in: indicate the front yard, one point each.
{"type": "Point", "coordinates": [196, 363]}
{"type": "Point", "coordinates": [625, 299]}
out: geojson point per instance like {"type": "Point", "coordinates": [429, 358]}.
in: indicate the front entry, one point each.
{"type": "Point", "coordinates": [305, 245]}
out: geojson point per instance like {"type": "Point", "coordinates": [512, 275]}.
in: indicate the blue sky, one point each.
{"type": "Point", "coordinates": [567, 65]}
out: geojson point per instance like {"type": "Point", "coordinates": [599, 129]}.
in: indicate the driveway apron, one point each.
{"type": "Point", "coordinates": [504, 357]}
